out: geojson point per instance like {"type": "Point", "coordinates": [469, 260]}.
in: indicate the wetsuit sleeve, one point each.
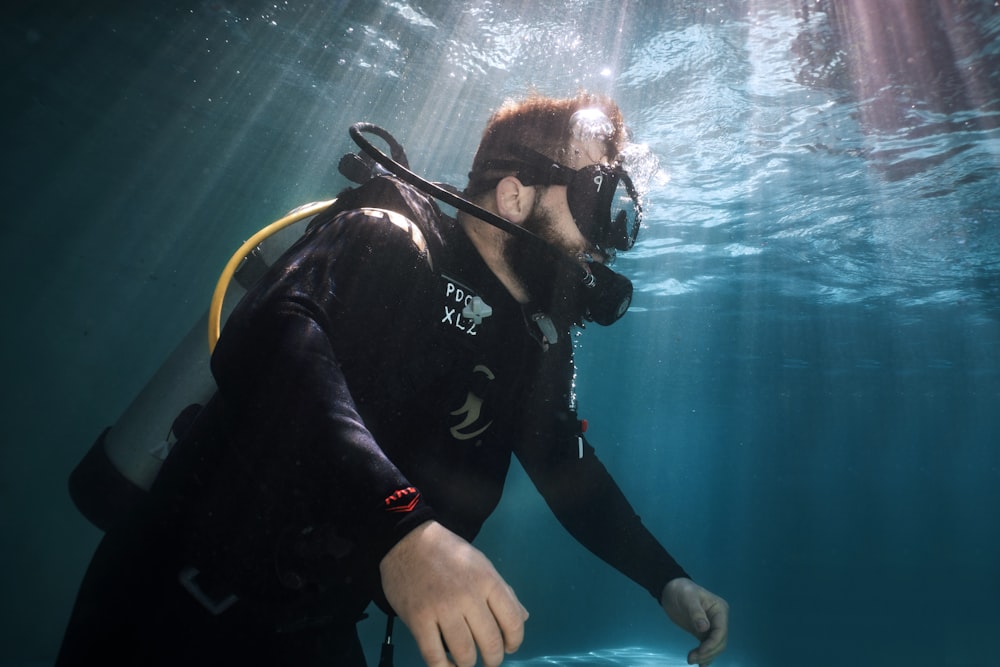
{"type": "Point", "coordinates": [285, 363]}
{"type": "Point", "coordinates": [582, 494]}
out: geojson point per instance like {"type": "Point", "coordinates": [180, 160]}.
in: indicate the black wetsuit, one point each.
{"type": "Point", "coordinates": [356, 400]}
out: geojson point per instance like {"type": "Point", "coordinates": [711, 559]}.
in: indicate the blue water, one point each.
{"type": "Point", "coordinates": [803, 403]}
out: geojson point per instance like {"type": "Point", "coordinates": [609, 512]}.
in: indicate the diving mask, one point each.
{"type": "Point", "coordinates": [602, 199]}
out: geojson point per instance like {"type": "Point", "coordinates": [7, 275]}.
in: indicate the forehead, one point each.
{"type": "Point", "coordinates": [591, 131]}
{"type": "Point", "coordinates": [584, 152]}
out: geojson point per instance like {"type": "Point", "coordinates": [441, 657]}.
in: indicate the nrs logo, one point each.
{"type": "Point", "coordinates": [402, 500]}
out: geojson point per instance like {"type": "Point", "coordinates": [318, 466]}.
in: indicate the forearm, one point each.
{"type": "Point", "coordinates": [591, 506]}
{"type": "Point", "coordinates": [292, 415]}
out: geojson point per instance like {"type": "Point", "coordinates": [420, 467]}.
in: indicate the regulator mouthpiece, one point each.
{"type": "Point", "coordinates": [608, 296]}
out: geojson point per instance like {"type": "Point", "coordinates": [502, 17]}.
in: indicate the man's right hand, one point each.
{"type": "Point", "coordinates": [449, 594]}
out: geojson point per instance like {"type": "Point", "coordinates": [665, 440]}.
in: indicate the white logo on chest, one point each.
{"type": "Point", "coordinates": [463, 309]}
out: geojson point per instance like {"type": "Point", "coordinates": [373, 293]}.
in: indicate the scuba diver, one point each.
{"type": "Point", "coordinates": [372, 387]}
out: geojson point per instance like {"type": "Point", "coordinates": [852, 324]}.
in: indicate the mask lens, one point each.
{"type": "Point", "coordinates": [625, 216]}
{"type": "Point", "coordinates": [605, 206]}
{"type": "Point", "coordinates": [589, 195]}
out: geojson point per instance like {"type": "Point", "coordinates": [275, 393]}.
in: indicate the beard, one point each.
{"type": "Point", "coordinates": [546, 273]}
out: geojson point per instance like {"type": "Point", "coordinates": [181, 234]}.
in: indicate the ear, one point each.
{"type": "Point", "coordinates": [514, 199]}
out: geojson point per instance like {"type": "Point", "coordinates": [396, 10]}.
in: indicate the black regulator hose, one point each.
{"type": "Point", "coordinates": [385, 657]}
{"type": "Point", "coordinates": [401, 171]}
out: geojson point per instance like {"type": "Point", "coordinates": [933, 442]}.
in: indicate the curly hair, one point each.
{"type": "Point", "coordinates": [543, 124]}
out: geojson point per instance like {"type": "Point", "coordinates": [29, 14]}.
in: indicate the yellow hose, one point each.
{"type": "Point", "coordinates": [215, 309]}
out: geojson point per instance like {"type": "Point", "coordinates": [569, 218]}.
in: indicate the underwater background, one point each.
{"type": "Point", "coordinates": [803, 404]}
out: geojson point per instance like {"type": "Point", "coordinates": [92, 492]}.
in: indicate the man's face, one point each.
{"type": "Point", "coordinates": [551, 217]}
{"type": "Point", "coordinates": [552, 285]}
{"type": "Point", "coordinates": [552, 203]}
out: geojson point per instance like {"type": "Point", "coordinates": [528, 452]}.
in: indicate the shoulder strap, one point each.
{"type": "Point", "coordinates": [391, 194]}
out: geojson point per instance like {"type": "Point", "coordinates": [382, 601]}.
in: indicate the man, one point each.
{"type": "Point", "coordinates": [372, 389]}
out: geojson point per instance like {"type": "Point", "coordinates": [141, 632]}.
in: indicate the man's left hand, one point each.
{"type": "Point", "coordinates": [700, 612]}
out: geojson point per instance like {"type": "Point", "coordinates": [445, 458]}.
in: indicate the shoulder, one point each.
{"type": "Point", "coordinates": [384, 215]}
{"type": "Point", "coordinates": [381, 233]}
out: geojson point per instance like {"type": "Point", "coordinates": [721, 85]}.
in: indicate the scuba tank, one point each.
{"type": "Point", "coordinates": [120, 467]}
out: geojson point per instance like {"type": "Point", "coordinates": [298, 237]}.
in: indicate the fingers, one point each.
{"type": "Point", "coordinates": [699, 621]}
{"type": "Point", "coordinates": [494, 629]}
{"type": "Point", "coordinates": [487, 632]}
{"type": "Point", "coordinates": [700, 612]}
{"type": "Point", "coordinates": [430, 643]}
{"type": "Point", "coordinates": [708, 650]}
{"type": "Point", "coordinates": [458, 636]}
{"type": "Point", "coordinates": [451, 598]}
{"type": "Point", "coordinates": [716, 619]}
{"type": "Point", "coordinates": [510, 616]}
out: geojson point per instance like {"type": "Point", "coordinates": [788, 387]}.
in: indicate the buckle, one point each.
{"type": "Point", "coordinates": [187, 577]}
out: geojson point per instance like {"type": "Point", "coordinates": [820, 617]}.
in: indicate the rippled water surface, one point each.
{"type": "Point", "coordinates": [802, 403]}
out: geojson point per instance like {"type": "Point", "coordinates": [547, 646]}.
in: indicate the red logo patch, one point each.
{"type": "Point", "coordinates": [402, 500]}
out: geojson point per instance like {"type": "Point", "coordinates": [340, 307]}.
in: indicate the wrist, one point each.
{"type": "Point", "coordinates": [673, 587]}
